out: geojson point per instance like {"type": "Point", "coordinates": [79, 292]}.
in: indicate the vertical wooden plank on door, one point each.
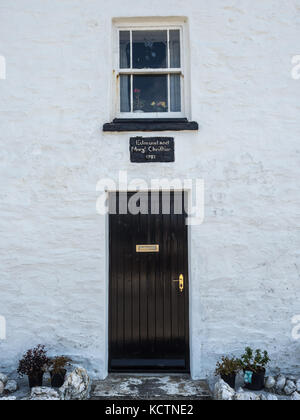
{"type": "Point", "coordinates": [152, 260]}
{"type": "Point", "coordinates": [127, 258]}
{"type": "Point", "coordinates": [159, 289]}
{"type": "Point", "coordinates": [181, 270]}
{"type": "Point", "coordinates": [176, 270]}
{"type": "Point", "coordinates": [185, 240]}
{"type": "Point", "coordinates": [135, 232]}
{"type": "Point", "coordinates": [144, 287]}
{"type": "Point", "coordinates": [166, 274]}
{"type": "Point", "coordinates": [112, 282]}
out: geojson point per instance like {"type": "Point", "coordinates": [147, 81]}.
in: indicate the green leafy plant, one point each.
{"type": "Point", "coordinates": [59, 363]}
{"type": "Point", "coordinates": [34, 361]}
{"type": "Point", "coordinates": [254, 361]}
{"type": "Point", "coordinates": [227, 366]}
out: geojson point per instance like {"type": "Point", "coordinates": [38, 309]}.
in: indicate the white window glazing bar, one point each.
{"type": "Point", "coordinates": [131, 59]}
{"type": "Point", "coordinates": [131, 93]}
{"type": "Point", "coordinates": [168, 49]}
{"type": "Point", "coordinates": [150, 71]}
{"type": "Point", "coordinates": [168, 66]}
{"type": "Point", "coordinates": [169, 93]}
{"type": "Point", "coordinates": [131, 76]}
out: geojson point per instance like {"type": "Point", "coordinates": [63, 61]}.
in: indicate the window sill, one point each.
{"type": "Point", "coordinates": [149, 124]}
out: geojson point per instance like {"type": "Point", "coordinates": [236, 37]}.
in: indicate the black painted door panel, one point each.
{"type": "Point", "coordinates": [148, 314]}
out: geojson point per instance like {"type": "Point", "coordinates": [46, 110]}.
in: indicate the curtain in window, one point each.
{"type": "Point", "coordinates": [124, 49]}
{"type": "Point", "coordinates": [124, 64]}
{"type": "Point", "coordinates": [174, 49]}
{"type": "Point", "coordinates": [175, 93]}
{"type": "Point", "coordinates": [125, 93]}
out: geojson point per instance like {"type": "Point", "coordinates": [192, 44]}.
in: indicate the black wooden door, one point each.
{"type": "Point", "coordinates": [148, 309]}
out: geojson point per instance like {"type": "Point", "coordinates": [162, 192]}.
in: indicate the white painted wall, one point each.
{"type": "Point", "coordinates": [245, 257]}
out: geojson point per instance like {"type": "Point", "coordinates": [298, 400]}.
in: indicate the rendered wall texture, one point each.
{"type": "Point", "coordinates": [245, 266]}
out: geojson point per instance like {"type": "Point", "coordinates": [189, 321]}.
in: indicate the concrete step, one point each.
{"type": "Point", "coordinates": [150, 387]}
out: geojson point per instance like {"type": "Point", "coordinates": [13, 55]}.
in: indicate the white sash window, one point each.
{"type": "Point", "coordinates": [149, 70]}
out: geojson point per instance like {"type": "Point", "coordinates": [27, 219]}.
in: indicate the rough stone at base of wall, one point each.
{"type": "Point", "coordinates": [223, 391]}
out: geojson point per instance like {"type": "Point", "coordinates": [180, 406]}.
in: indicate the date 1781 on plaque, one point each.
{"type": "Point", "coordinates": [152, 149]}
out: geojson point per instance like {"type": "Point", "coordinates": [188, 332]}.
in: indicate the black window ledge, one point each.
{"type": "Point", "coordinates": [149, 124]}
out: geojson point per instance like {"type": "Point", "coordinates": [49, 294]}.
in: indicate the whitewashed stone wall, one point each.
{"type": "Point", "coordinates": [245, 267]}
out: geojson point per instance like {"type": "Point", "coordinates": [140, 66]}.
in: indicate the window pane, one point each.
{"type": "Point", "coordinates": [149, 49]}
{"type": "Point", "coordinates": [125, 93]}
{"type": "Point", "coordinates": [175, 93]}
{"type": "Point", "coordinates": [175, 49]}
{"type": "Point", "coordinates": [150, 93]}
{"type": "Point", "coordinates": [124, 49]}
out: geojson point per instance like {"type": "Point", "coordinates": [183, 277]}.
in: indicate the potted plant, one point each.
{"type": "Point", "coordinates": [34, 364]}
{"type": "Point", "coordinates": [160, 106]}
{"type": "Point", "coordinates": [138, 104]}
{"type": "Point", "coordinates": [227, 369]}
{"type": "Point", "coordinates": [254, 365]}
{"type": "Point", "coordinates": [58, 371]}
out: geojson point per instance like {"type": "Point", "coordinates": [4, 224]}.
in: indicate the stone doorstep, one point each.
{"type": "Point", "coordinates": [150, 387]}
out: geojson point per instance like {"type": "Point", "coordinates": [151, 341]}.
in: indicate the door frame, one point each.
{"type": "Point", "coordinates": [107, 260]}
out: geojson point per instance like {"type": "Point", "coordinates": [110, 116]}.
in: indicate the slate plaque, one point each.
{"type": "Point", "coordinates": [152, 149]}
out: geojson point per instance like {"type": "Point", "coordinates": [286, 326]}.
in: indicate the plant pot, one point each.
{"type": "Point", "coordinates": [258, 381]}
{"type": "Point", "coordinates": [36, 379]}
{"type": "Point", "coordinates": [58, 379]}
{"type": "Point", "coordinates": [229, 379]}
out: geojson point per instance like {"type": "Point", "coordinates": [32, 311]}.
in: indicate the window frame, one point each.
{"type": "Point", "coordinates": [150, 24]}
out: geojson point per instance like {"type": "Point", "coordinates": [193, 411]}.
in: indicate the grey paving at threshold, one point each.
{"type": "Point", "coordinates": [152, 387]}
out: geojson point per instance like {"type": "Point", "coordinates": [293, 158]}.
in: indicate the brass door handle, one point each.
{"type": "Point", "coordinates": [181, 282]}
